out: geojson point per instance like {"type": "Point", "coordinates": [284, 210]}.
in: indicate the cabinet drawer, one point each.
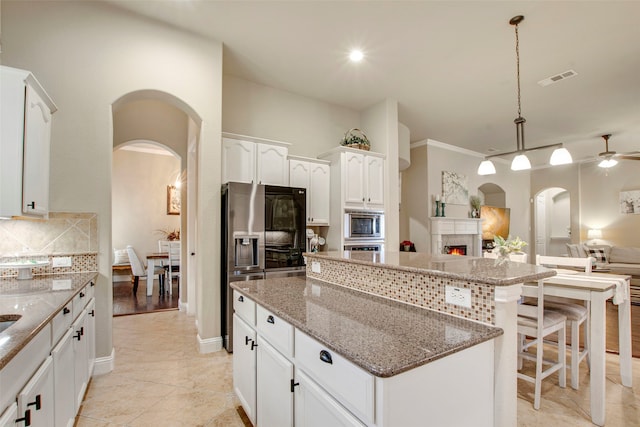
{"type": "Point", "coordinates": [90, 290]}
{"type": "Point", "coordinates": [244, 307]}
{"type": "Point", "coordinates": [275, 330]}
{"type": "Point", "coordinates": [350, 385]}
{"type": "Point", "coordinates": [79, 302]}
{"type": "Point", "coordinates": [61, 323]}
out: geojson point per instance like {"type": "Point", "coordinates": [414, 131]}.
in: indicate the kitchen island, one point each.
{"type": "Point", "coordinates": [483, 290]}
{"type": "Point", "coordinates": [386, 362]}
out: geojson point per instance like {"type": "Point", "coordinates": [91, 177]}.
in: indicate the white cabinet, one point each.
{"type": "Point", "coordinates": [244, 366]}
{"type": "Point", "coordinates": [251, 161]}
{"type": "Point", "coordinates": [314, 407]}
{"type": "Point", "coordinates": [80, 352]}
{"type": "Point", "coordinates": [25, 129]}
{"type": "Point", "coordinates": [315, 176]}
{"type": "Point", "coordinates": [9, 416]}
{"type": "Point", "coordinates": [91, 336]}
{"type": "Point", "coordinates": [35, 401]}
{"type": "Point", "coordinates": [364, 181]}
{"type": "Point", "coordinates": [275, 387]}
{"type": "Point", "coordinates": [63, 375]}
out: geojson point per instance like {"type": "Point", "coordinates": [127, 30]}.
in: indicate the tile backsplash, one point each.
{"type": "Point", "coordinates": [64, 233]}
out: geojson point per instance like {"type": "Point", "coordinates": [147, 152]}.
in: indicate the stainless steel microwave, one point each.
{"type": "Point", "coordinates": [364, 225]}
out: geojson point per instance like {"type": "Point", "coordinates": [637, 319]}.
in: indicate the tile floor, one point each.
{"type": "Point", "coordinates": [160, 379]}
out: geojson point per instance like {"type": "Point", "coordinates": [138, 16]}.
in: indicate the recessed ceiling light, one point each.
{"type": "Point", "coordinates": [356, 55]}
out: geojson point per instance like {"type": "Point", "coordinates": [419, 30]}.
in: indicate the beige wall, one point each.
{"type": "Point", "coordinates": [139, 199]}
{"type": "Point", "coordinates": [88, 55]}
{"type": "Point", "coordinates": [415, 209]}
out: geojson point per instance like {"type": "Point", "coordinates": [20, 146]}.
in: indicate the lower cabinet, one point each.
{"type": "Point", "coordinates": [244, 366]}
{"type": "Point", "coordinates": [63, 373]}
{"type": "Point", "coordinates": [9, 416]}
{"type": "Point", "coordinates": [316, 408]}
{"type": "Point", "coordinates": [80, 353]}
{"type": "Point", "coordinates": [275, 387]}
{"type": "Point", "coordinates": [36, 399]}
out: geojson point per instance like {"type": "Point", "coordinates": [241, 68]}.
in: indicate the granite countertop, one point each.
{"type": "Point", "coordinates": [480, 270]}
{"type": "Point", "coordinates": [37, 300]}
{"type": "Point", "coordinates": [382, 336]}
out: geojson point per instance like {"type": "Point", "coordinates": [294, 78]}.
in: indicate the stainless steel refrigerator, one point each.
{"type": "Point", "coordinates": [242, 244]}
{"type": "Point", "coordinates": [263, 235]}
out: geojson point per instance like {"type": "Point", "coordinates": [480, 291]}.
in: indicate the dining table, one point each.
{"type": "Point", "coordinates": [152, 259]}
{"type": "Point", "coordinates": [597, 288]}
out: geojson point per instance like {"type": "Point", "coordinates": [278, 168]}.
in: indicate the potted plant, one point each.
{"type": "Point", "coordinates": [170, 234]}
{"type": "Point", "coordinates": [355, 138]}
{"type": "Point", "coordinates": [504, 247]}
{"type": "Point", "coordinates": [474, 201]}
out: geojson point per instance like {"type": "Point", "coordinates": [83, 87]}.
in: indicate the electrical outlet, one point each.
{"type": "Point", "coordinates": [458, 296]}
{"type": "Point", "coordinates": [315, 267]}
{"type": "Point", "coordinates": [61, 261]}
{"type": "Point", "coordinates": [61, 284]}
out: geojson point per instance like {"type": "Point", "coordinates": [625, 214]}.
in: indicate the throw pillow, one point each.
{"type": "Point", "coordinates": [598, 254]}
{"type": "Point", "coordinates": [573, 250]}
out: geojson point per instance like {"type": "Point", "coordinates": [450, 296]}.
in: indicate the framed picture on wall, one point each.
{"type": "Point", "coordinates": [173, 200]}
{"type": "Point", "coordinates": [630, 202]}
{"type": "Point", "coordinates": [454, 188]}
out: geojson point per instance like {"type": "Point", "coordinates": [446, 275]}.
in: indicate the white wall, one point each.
{"type": "Point", "coordinates": [139, 199]}
{"type": "Point", "coordinates": [311, 126]}
{"type": "Point", "coordinates": [87, 55]}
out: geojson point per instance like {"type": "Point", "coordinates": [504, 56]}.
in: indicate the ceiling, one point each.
{"type": "Point", "coordinates": [451, 65]}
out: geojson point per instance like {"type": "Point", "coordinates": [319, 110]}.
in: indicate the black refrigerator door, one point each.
{"type": "Point", "coordinates": [285, 226]}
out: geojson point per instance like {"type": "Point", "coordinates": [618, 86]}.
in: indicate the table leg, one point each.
{"type": "Point", "coordinates": [624, 328]}
{"type": "Point", "coordinates": [598, 362]}
{"type": "Point", "coordinates": [150, 269]}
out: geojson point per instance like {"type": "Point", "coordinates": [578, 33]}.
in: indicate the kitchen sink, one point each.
{"type": "Point", "coordinates": [6, 320]}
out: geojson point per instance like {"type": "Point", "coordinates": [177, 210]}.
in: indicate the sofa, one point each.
{"type": "Point", "coordinates": [614, 260]}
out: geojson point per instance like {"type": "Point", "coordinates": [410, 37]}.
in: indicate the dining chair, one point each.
{"type": "Point", "coordinates": [575, 313]}
{"type": "Point", "coordinates": [537, 322]}
{"type": "Point", "coordinates": [138, 269]}
{"type": "Point", "coordinates": [171, 264]}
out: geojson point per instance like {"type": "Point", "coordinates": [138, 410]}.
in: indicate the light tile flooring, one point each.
{"type": "Point", "coordinates": [160, 379]}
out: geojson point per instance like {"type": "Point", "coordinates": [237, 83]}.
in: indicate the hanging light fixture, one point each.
{"type": "Point", "coordinates": [560, 156]}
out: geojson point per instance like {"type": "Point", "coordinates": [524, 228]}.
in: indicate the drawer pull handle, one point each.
{"type": "Point", "coordinates": [77, 335]}
{"type": "Point", "coordinates": [92, 284]}
{"type": "Point", "coordinates": [246, 340]}
{"type": "Point", "coordinates": [26, 418]}
{"type": "Point", "coordinates": [66, 311]}
{"type": "Point", "coordinates": [293, 384]}
{"type": "Point", "coordinates": [253, 345]}
{"type": "Point", "coordinates": [271, 320]}
{"type": "Point", "coordinates": [241, 298]}
{"type": "Point", "coordinates": [81, 294]}
{"type": "Point", "coordinates": [92, 313]}
{"type": "Point", "coordinates": [31, 205]}
{"type": "Point", "coordinates": [37, 403]}
{"type": "Point", "coordinates": [325, 356]}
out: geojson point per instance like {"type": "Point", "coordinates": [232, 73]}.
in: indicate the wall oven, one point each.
{"type": "Point", "coordinates": [370, 246]}
{"type": "Point", "coordinates": [364, 225]}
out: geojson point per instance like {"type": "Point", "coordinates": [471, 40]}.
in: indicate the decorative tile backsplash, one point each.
{"type": "Point", "coordinates": [414, 288]}
{"type": "Point", "coordinates": [63, 234]}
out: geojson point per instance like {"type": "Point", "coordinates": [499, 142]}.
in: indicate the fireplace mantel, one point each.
{"type": "Point", "coordinates": [444, 226]}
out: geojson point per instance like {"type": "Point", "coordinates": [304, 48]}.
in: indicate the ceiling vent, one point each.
{"type": "Point", "coordinates": [558, 77]}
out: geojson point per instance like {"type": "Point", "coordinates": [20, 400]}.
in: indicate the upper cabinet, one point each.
{"type": "Point", "coordinates": [362, 178]}
{"type": "Point", "coordinates": [25, 132]}
{"type": "Point", "coordinates": [314, 175]}
{"type": "Point", "coordinates": [249, 160]}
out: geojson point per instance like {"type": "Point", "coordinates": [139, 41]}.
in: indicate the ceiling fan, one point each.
{"type": "Point", "coordinates": [609, 158]}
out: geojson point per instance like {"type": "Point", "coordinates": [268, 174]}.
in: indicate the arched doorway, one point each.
{"type": "Point", "coordinates": [552, 221]}
{"type": "Point", "coordinates": [162, 120]}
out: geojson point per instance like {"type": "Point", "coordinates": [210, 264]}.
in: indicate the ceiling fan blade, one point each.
{"type": "Point", "coordinates": [625, 157]}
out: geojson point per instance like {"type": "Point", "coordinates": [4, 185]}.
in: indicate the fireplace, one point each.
{"type": "Point", "coordinates": [450, 232]}
{"type": "Point", "coordinates": [455, 250]}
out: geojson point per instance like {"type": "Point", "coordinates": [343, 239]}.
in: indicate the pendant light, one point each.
{"type": "Point", "coordinates": [560, 156]}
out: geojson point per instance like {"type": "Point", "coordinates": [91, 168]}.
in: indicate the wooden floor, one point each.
{"type": "Point", "coordinates": [124, 302]}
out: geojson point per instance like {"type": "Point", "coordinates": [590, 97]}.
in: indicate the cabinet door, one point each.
{"type": "Point", "coordinates": [244, 366]}
{"type": "Point", "coordinates": [91, 336]}
{"type": "Point", "coordinates": [272, 165]}
{"type": "Point", "coordinates": [63, 374]}
{"type": "Point", "coordinates": [37, 396]}
{"type": "Point", "coordinates": [275, 397]}
{"type": "Point", "coordinates": [319, 194]}
{"type": "Point", "coordinates": [299, 175]}
{"type": "Point", "coordinates": [315, 408]}
{"type": "Point", "coordinates": [79, 331]}
{"type": "Point", "coordinates": [238, 161]}
{"type": "Point", "coordinates": [35, 173]}
{"type": "Point", "coordinates": [9, 416]}
{"type": "Point", "coordinates": [374, 181]}
{"type": "Point", "coordinates": [353, 179]}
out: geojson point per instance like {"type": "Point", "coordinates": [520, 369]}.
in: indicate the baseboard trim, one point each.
{"type": "Point", "coordinates": [209, 345]}
{"type": "Point", "coordinates": [184, 307]}
{"type": "Point", "coordinates": [104, 365]}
